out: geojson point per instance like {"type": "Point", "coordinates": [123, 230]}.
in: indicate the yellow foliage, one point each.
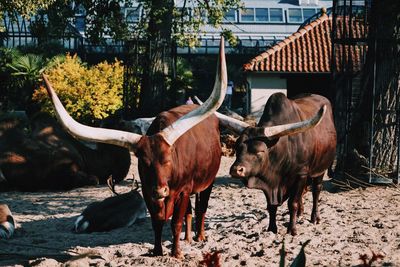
{"type": "Point", "coordinates": [87, 93]}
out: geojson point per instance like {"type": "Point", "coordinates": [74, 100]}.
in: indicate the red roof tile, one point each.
{"type": "Point", "coordinates": [310, 49]}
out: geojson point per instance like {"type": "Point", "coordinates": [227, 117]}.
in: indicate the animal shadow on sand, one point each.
{"type": "Point", "coordinates": [48, 227]}
{"type": "Point", "coordinates": [228, 181]}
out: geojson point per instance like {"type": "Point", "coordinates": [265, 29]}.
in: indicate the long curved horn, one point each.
{"type": "Point", "coordinates": [189, 120]}
{"type": "Point", "coordinates": [108, 136]}
{"type": "Point", "coordinates": [293, 128]}
{"type": "Point", "coordinates": [233, 124]}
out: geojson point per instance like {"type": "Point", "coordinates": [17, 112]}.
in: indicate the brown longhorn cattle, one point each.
{"type": "Point", "coordinates": [43, 156]}
{"type": "Point", "coordinates": [179, 156]}
{"type": "Point", "coordinates": [285, 151]}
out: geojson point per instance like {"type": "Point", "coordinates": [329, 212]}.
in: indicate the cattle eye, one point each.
{"type": "Point", "coordinates": [260, 153]}
{"type": "Point", "coordinates": [145, 161]}
{"type": "Point", "coordinates": [165, 162]}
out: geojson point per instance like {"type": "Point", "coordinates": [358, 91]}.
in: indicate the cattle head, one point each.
{"type": "Point", "coordinates": [253, 148]}
{"type": "Point", "coordinates": [154, 152]}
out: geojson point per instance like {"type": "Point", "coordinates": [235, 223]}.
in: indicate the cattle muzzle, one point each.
{"type": "Point", "coordinates": [238, 171]}
{"type": "Point", "coordinates": [160, 193]}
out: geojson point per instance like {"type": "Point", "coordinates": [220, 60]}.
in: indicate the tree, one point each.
{"type": "Point", "coordinates": [380, 90]}
{"type": "Point", "coordinates": [167, 24]}
{"type": "Point", "coordinates": [22, 7]}
{"type": "Point", "coordinates": [162, 24]}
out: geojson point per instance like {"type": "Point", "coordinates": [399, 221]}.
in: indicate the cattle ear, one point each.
{"type": "Point", "coordinates": [271, 143]}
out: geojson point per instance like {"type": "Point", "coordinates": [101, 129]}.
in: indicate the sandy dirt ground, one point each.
{"type": "Point", "coordinates": [354, 223]}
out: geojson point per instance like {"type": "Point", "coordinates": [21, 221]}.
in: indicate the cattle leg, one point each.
{"type": "Point", "coordinates": [200, 210]}
{"type": "Point", "coordinates": [300, 211]}
{"type": "Point", "coordinates": [294, 202]}
{"type": "Point", "coordinates": [316, 190]}
{"type": "Point", "coordinates": [272, 218]}
{"type": "Point", "coordinates": [188, 223]}
{"type": "Point", "coordinates": [180, 210]}
{"type": "Point", "coordinates": [157, 228]}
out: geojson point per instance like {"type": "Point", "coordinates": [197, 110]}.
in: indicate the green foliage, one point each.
{"type": "Point", "coordinates": [186, 29]}
{"type": "Point", "coordinates": [106, 18]}
{"type": "Point", "coordinates": [27, 67]}
{"type": "Point", "coordinates": [53, 21]}
{"type": "Point", "coordinates": [182, 85]}
{"type": "Point", "coordinates": [22, 7]}
{"type": "Point", "coordinates": [21, 74]}
{"type": "Point", "coordinates": [6, 57]}
{"type": "Point", "coordinates": [49, 48]}
{"type": "Point", "coordinates": [88, 93]}
{"type": "Point", "coordinates": [184, 74]}
{"type": "Point", "coordinates": [229, 37]}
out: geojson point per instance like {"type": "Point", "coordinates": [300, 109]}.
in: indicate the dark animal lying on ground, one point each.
{"type": "Point", "coordinates": [42, 156]}
{"type": "Point", "coordinates": [114, 212]}
{"type": "Point", "coordinates": [179, 156]}
{"type": "Point", "coordinates": [285, 152]}
{"type": "Point", "coordinates": [7, 222]}
{"type": "Point", "coordinates": [139, 126]}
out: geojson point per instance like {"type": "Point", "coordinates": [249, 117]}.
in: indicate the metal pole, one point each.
{"type": "Point", "coordinates": [397, 179]}
{"type": "Point", "coordinates": [372, 131]}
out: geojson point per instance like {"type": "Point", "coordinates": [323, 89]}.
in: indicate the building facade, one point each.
{"type": "Point", "coordinates": [260, 24]}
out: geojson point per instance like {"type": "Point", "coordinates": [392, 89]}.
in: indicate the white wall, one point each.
{"type": "Point", "coordinates": [262, 86]}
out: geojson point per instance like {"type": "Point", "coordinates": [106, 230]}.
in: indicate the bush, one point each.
{"type": "Point", "coordinates": [19, 76]}
{"type": "Point", "coordinates": [88, 94]}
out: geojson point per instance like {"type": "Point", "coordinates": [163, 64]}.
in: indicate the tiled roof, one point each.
{"type": "Point", "coordinates": [308, 50]}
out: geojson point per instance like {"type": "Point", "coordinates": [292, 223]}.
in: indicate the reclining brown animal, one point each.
{"type": "Point", "coordinates": [40, 155]}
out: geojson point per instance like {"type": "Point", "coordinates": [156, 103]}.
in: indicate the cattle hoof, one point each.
{"type": "Point", "coordinates": [273, 229]}
{"type": "Point", "coordinates": [200, 238]}
{"type": "Point", "coordinates": [293, 232]}
{"type": "Point", "coordinates": [178, 255]}
{"type": "Point", "coordinates": [157, 252]}
{"type": "Point", "coordinates": [188, 240]}
{"type": "Point", "coordinates": [315, 219]}
{"type": "Point", "coordinates": [300, 211]}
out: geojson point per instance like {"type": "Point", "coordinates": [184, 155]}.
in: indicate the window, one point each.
{"type": "Point", "coordinates": [262, 14]}
{"type": "Point", "coordinates": [247, 14]}
{"type": "Point", "coordinates": [275, 15]}
{"type": "Point", "coordinates": [295, 15]}
{"type": "Point", "coordinates": [308, 12]}
{"type": "Point", "coordinates": [230, 16]}
{"type": "Point", "coordinates": [132, 15]}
